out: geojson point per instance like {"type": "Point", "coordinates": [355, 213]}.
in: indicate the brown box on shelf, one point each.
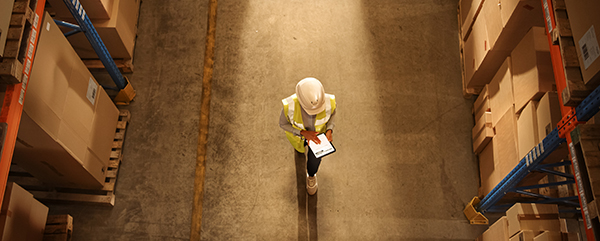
{"type": "Point", "coordinates": [500, 156]}
{"type": "Point", "coordinates": [5, 16]}
{"type": "Point", "coordinates": [501, 91]}
{"type": "Point", "coordinates": [68, 122]}
{"type": "Point", "coordinates": [118, 33]}
{"type": "Point", "coordinates": [532, 68]}
{"type": "Point", "coordinates": [500, 30]}
{"type": "Point", "coordinates": [548, 116]}
{"type": "Point", "coordinates": [475, 49]}
{"type": "Point", "coordinates": [531, 216]}
{"type": "Point", "coordinates": [518, 16]}
{"type": "Point", "coordinates": [469, 10]}
{"type": "Point", "coordinates": [94, 9]}
{"type": "Point", "coordinates": [22, 217]}
{"type": "Point", "coordinates": [556, 236]}
{"type": "Point", "coordinates": [524, 235]}
{"type": "Point", "coordinates": [496, 232]}
{"type": "Point", "coordinates": [527, 128]}
{"type": "Point", "coordinates": [482, 132]}
{"type": "Point", "coordinates": [585, 25]}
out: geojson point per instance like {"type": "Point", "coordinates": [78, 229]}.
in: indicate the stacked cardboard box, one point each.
{"type": "Point", "coordinates": [529, 222]}
{"type": "Point", "coordinates": [114, 20]}
{"type": "Point", "coordinates": [5, 16]}
{"type": "Point", "coordinates": [22, 217]}
{"type": "Point", "coordinates": [95, 9]}
{"type": "Point", "coordinates": [585, 25]}
{"type": "Point", "coordinates": [519, 102]}
{"type": "Point", "coordinates": [490, 31]}
{"type": "Point", "coordinates": [68, 122]}
{"type": "Point", "coordinates": [482, 131]}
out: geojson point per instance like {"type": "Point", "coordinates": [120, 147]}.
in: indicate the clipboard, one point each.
{"type": "Point", "coordinates": [321, 150]}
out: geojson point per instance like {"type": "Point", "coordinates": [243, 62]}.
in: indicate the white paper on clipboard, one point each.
{"type": "Point", "coordinates": [322, 149]}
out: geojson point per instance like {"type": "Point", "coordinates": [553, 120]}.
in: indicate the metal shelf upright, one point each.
{"type": "Point", "coordinates": [533, 159]}
{"type": "Point", "coordinates": [10, 116]}
{"type": "Point", "coordinates": [12, 107]}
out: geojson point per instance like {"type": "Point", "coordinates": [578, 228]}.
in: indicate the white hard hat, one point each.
{"type": "Point", "coordinates": [311, 95]}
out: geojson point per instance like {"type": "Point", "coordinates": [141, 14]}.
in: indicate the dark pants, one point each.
{"type": "Point", "coordinates": [312, 164]}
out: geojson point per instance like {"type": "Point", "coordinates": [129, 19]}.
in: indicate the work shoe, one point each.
{"type": "Point", "coordinates": [311, 184]}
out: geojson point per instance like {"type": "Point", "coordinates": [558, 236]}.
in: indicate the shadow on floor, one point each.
{"type": "Point", "coordinates": [307, 205]}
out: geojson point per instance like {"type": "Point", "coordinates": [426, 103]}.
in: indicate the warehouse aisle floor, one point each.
{"type": "Point", "coordinates": [404, 169]}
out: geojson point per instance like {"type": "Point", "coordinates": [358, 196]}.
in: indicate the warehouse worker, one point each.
{"type": "Point", "coordinates": [306, 114]}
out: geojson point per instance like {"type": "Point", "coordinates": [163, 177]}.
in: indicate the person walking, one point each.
{"type": "Point", "coordinates": [306, 114]}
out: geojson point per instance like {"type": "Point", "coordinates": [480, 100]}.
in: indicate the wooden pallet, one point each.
{"type": "Point", "coordinates": [587, 142]}
{"type": "Point", "coordinates": [58, 228]}
{"type": "Point", "coordinates": [104, 196]}
{"type": "Point", "coordinates": [124, 65]}
{"type": "Point", "coordinates": [11, 63]}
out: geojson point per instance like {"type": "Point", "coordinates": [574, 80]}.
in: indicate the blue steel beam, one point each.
{"type": "Point", "coordinates": [584, 111]}
{"type": "Point", "coordinates": [562, 174]}
{"type": "Point", "coordinates": [545, 185]}
{"type": "Point", "coordinates": [589, 106]}
{"type": "Point", "coordinates": [526, 165]}
{"type": "Point", "coordinates": [558, 164]}
{"type": "Point", "coordinates": [68, 25]}
{"type": "Point", "coordinates": [90, 32]}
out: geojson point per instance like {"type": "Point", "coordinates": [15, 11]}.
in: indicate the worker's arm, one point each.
{"type": "Point", "coordinates": [286, 125]}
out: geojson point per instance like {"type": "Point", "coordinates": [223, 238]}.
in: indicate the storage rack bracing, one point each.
{"type": "Point", "coordinates": [566, 131]}
{"type": "Point", "coordinates": [12, 107]}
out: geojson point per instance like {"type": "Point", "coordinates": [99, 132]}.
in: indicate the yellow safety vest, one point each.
{"type": "Point", "coordinates": [293, 112]}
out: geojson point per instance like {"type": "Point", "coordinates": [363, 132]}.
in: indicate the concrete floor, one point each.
{"type": "Point", "coordinates": [404, 169]}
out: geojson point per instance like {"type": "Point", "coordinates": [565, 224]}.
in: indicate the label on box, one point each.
{"type": "Point", "coordinates": [588, 45]}
{"type": "Point", "coordinates": [92, 91]}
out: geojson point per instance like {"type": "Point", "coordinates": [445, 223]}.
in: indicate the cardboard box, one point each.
{"type": "Point", "coordinates": [475, 49]}
{"type": "Point", "coordinates": [485, 107]}
{"type": "Point", "coordinates": [482, 132]}
{"type": "Point", "coordinates": [22, 217]}
{"type": "Point", "coordinates": [518, 17]}
{"type": "Point", "coordinates": [469, 10]}
{"type": "Point", "coordinates": [585, 25]}
{"type": "Point", "coordinates": [556, 236]}
{"type": "Point", "coordinates": [563, 225]}
{"type": "Point", "coordinates": [524, 235]}
{"type": "Point", "coordinates": [548, 114]}
{"type": "Point", "coordinates": [501, 91]}
{"type": "Point", "coordinates": [480, 99]}
{"type": "Point", "coordinates": [527, 128]}
{"type": "Point", "coordinates": [532, 68]}
{"type": "Point", "coordinates": [485, 121]}
{"type": "Point", "coordinates": [500, 156]}
{"type": "Point", "coordinates": [531, 216]}
{"type": "Point", "coordinates": [493, 23]}
{"type": "Point", "coordinates": [496, 232]}
{"type": "Point", "coordinates": [68, 122]}
{"type": "Point", "coordinates": [6, 7]}
{"type": "Point", "coordinates": [94, 9]}
{"type": "Point", "coordinates": [501, 31]}
{"type": "Point", "coordinates": [118, 33]}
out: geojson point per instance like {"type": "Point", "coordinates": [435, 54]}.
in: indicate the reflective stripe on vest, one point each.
{"type": "Point", "coordinates": [293, 112]}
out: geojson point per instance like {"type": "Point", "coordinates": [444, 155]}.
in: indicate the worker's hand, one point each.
{"type": "Point", "coordinates": [329, 135]}
{"type": "Point", "coordinates": [311, 136]}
